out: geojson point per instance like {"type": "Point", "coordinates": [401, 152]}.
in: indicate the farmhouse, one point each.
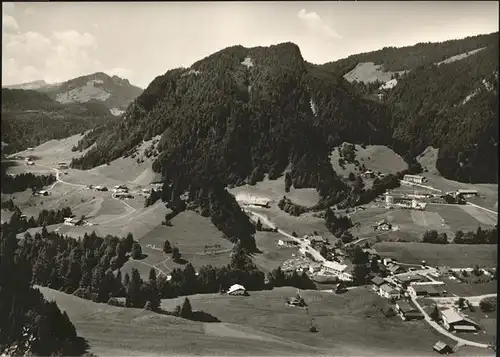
{"type": "Point", "coordinates": [370, 251]}
{"type": "Point", "coordinates": [315, 239]}
{"type": "Point", "coordinates": [237, 289]}
{"type": "Point", "coordinates": [467, 193]}
{"type": "Point", "coordinates": [395, 269]}
{"type": "Point", "coordinates": [71, 221]}
{"type": "Point", "coordinates": [123, 195]}
{"type": "Point", "coordinates": [453, 321]}
{"type": "Point", "coordinates": [414, 178]}
{"type": "Point", "coordinates": [30, 163]}
{"type": "Point", "coordinates": [338, 270]}
{"type": "Point", "coordinates": [62, 165]}
{"type": "Point", "coordinates": [409, 278]}
{"type": "Point", "coordinates": [382, 225]}
{"type": "Point", "coordinates": [408, 311]}
{"type": "Point", "coordinates": [442, 348]}
{"type": "Point", "coordinates": [377, 282]}
{"type": "Point", "coordinates": [423, 290]}
{"type": "Point", "coordinates": [101, 188]}
{"type": "Point", "coordinates": [389, 292]}
{"type": "Point", "coordinates": [387, 261]}
{"type": "Point", "coordinates": [287, 243]}
{"type": "Point", "coordinates": [42, 193]}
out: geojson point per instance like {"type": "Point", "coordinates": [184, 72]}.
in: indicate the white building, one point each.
{"type": "Point", "coordinates": [337, 269]}
{"type": "Point", "coordinates": [237, 289]}
{"type": "Point", "coordinates": [389, 292]}
{"type": "Point", "coordinates": [454, 321]}
{"type": "Point", "coordinates": [414, 178]}
{"type": "Point", "coordinates": [467, 193]}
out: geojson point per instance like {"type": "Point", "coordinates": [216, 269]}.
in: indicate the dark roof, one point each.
{"type": "Point", "coordinates": [394, 268]}
{"type": "Point", "coordinates": [414, 314]}
{"type": "Point", "coordinates": [432, 290]}
{"type": "Point", "coordinates": [378, 280]}
{"type": "Point", "coordinates": [406, 307]}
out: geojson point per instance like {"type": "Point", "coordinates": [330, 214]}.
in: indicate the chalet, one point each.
{"type": "Point", "coordinates": [467, 193]}
{"type": "Point", "coordinates": [395, 269]}
{"type": "Point", "coordinates": [287, 243]}
{"type": "Point", "coordinates": [123, 195]}
{"type": "Point", "coordinates": [408, 312]}
{"type": "Point", "coordinates": [30, 163]}
{"type": "Point", "coordinates": [382, 225]}
{"type": "Point", "coordinates": [453, 321]}
{"type": "Point", "coordinates": [442, 348]}
{"type": "Point", "coordinates": [409, 278]}
{"type": "Point", "coordinates": [423, 290]}
{"type": "Point", "coordinates": [387, 291]}
{"type": "Point", "coordinates": [338, 270]}
{"type": "Point", "coordinates": [101, 188]}
{"type": "Point", "coordinates": [71, 221]}
{"type": "Point", "coordinates": [62, 165]}
{"type": "Point", "coordinates": [414, 178]}
{"type": "Point", "coordinates": [237, 289]}
{"type": "Point", "coordinates": [387, 261]}
{"type": "Point", "coordinates": [315, 239]}
{"type": "Point", "coordinates": [42, 193]}
{"type": "Point", "coordinates": [377, 282]}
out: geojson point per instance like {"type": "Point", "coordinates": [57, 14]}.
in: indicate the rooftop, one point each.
{"type": "Point", "coordinates": [453, 316]}
{"type": "Point", "coordinates": [378, 280]}
{"type": "Point", "coordinates": [405, 306]}
{"type": "Point", "coordinates": [388, 289]}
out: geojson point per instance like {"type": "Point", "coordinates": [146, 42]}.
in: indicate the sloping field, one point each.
{"type": "Point", "coordinates": [115, 331]}
{"type": "Point", "coordinates": [368, 72]}
{"type": "Point", "coordinates": [128, 169]}
{"type": "Point", "coordinates": [452, 255]}
{"type": "Point", "coordinates": [304, 224]}
{"type": "Point", "coordinates": [271, 255]}
{"type": "Point", "coordinates": [274, 190]}
{"type": "Point", "coordinates": [377, 158]}
{"type": "Point", "coordinates": [348, 325]}
{"type": "Point", "coordinates": [189, 232]}
{"type": "Point", "coordinates": [460, 56]}
{"type": "Point", "coordinates": [458, 218]}
{"type": "Point", "coordinates": [488, 192]}
{"type": "Point", "coordinates": [484, 217]}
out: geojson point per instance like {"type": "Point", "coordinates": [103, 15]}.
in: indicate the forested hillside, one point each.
{"type": "Point", "coordinates": [242, 112]}
{"type": "Point", "coordinates": [395, 59]}
{"type": "Point", "coordinates": [452, 104]}
{"type": "Point", "coordinates": [30, 118]}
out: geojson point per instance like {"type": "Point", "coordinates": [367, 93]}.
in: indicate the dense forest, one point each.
{"type": "Point", "coordinates": [21, 182]}
{"type": "Point", "coordinates": [452, 106]}
{"type": "Point", "coordinates": [28, 323]}
{"type": "Point", "coordinates": [30, 118]}
{"type": "Point", "coordinates": [396, 59]}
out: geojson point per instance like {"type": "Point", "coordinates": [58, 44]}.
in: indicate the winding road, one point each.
{"type": "Point", "coordinates": [445, 332]}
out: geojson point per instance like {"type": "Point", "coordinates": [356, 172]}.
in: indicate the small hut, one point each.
{"type": "Point", "coordinates": [237, 289]}
{"type": "Point", "coordinates": [442, 348]}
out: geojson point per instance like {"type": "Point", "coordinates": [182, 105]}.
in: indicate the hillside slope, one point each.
{"type": "Point", "coordinates": [440, 94]}
{"type": "Point", "coordinates": [30, 118]}
{"type": "Point", "coordinates": [241, 113]}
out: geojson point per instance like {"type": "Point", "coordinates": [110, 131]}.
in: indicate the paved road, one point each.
{"type": "Point", "coordinates": [444, 332]}
{"type": "Point", "coordinates": [474, 300]}
{"type": "Point", "coordinates": [303, 244]}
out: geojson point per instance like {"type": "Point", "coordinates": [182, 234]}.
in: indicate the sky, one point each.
{"type": "Point", "coordinates": [141, 40]}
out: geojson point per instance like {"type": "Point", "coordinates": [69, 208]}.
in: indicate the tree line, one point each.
{"type": "Point", "coordinates": [21, 182]}
{"type": "Point", "coordinates": [480, 236]}
{"type": "Point", "coordinates": [28, 323]}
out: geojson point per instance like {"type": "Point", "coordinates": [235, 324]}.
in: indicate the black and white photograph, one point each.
{"type": "Point", "coordinates": [251, 178]}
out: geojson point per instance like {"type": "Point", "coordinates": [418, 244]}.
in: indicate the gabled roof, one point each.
{"type": "Point", "coordinates": [388, 289]}
{"type": "Point", "coordinates": [394, 268]}
{"type": "Point", "coordinates": [453, 316]}
{"type": "Point", "coordinates": [439, 346]}
{"type": "Point", "coordinates": [378, 280]}
{"type": "Point", "coordinates": [406, 307]}
{"type": "Point", "coordinates": [235, 287]}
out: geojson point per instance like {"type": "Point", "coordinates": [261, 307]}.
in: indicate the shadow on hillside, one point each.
{"type": "Point", "coordinates": [79, 347]}
{"type": "Point", "coordinates": [181, 261]}
{"type": "Point", "coordinates": [199, 316]}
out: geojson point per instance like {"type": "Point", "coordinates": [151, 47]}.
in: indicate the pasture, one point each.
{"type": "Point", "coordinates": [377, 158]}
{"type": "Point", "coordinates": [274, 190]}
{"type": "Point", "coordinates": [350, 324]}
{"type": "Point", "coordinates": [116, 331]}
{"type": "Point", "coordinates": [452, 255]}
{"type": "Point", "coordinates": [271, 255]}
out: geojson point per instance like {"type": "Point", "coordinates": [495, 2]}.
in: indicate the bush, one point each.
{"type": "Point", "coordinates": [488, 304]}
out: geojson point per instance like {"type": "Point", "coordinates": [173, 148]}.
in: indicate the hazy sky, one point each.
{"type": "Point", "coordinates": [139, 41]}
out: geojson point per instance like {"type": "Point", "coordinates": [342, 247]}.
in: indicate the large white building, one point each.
{"type": "Point", "coordinates": [337, 269]}
{"type": "Point", "coordinates": [414, 178]}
